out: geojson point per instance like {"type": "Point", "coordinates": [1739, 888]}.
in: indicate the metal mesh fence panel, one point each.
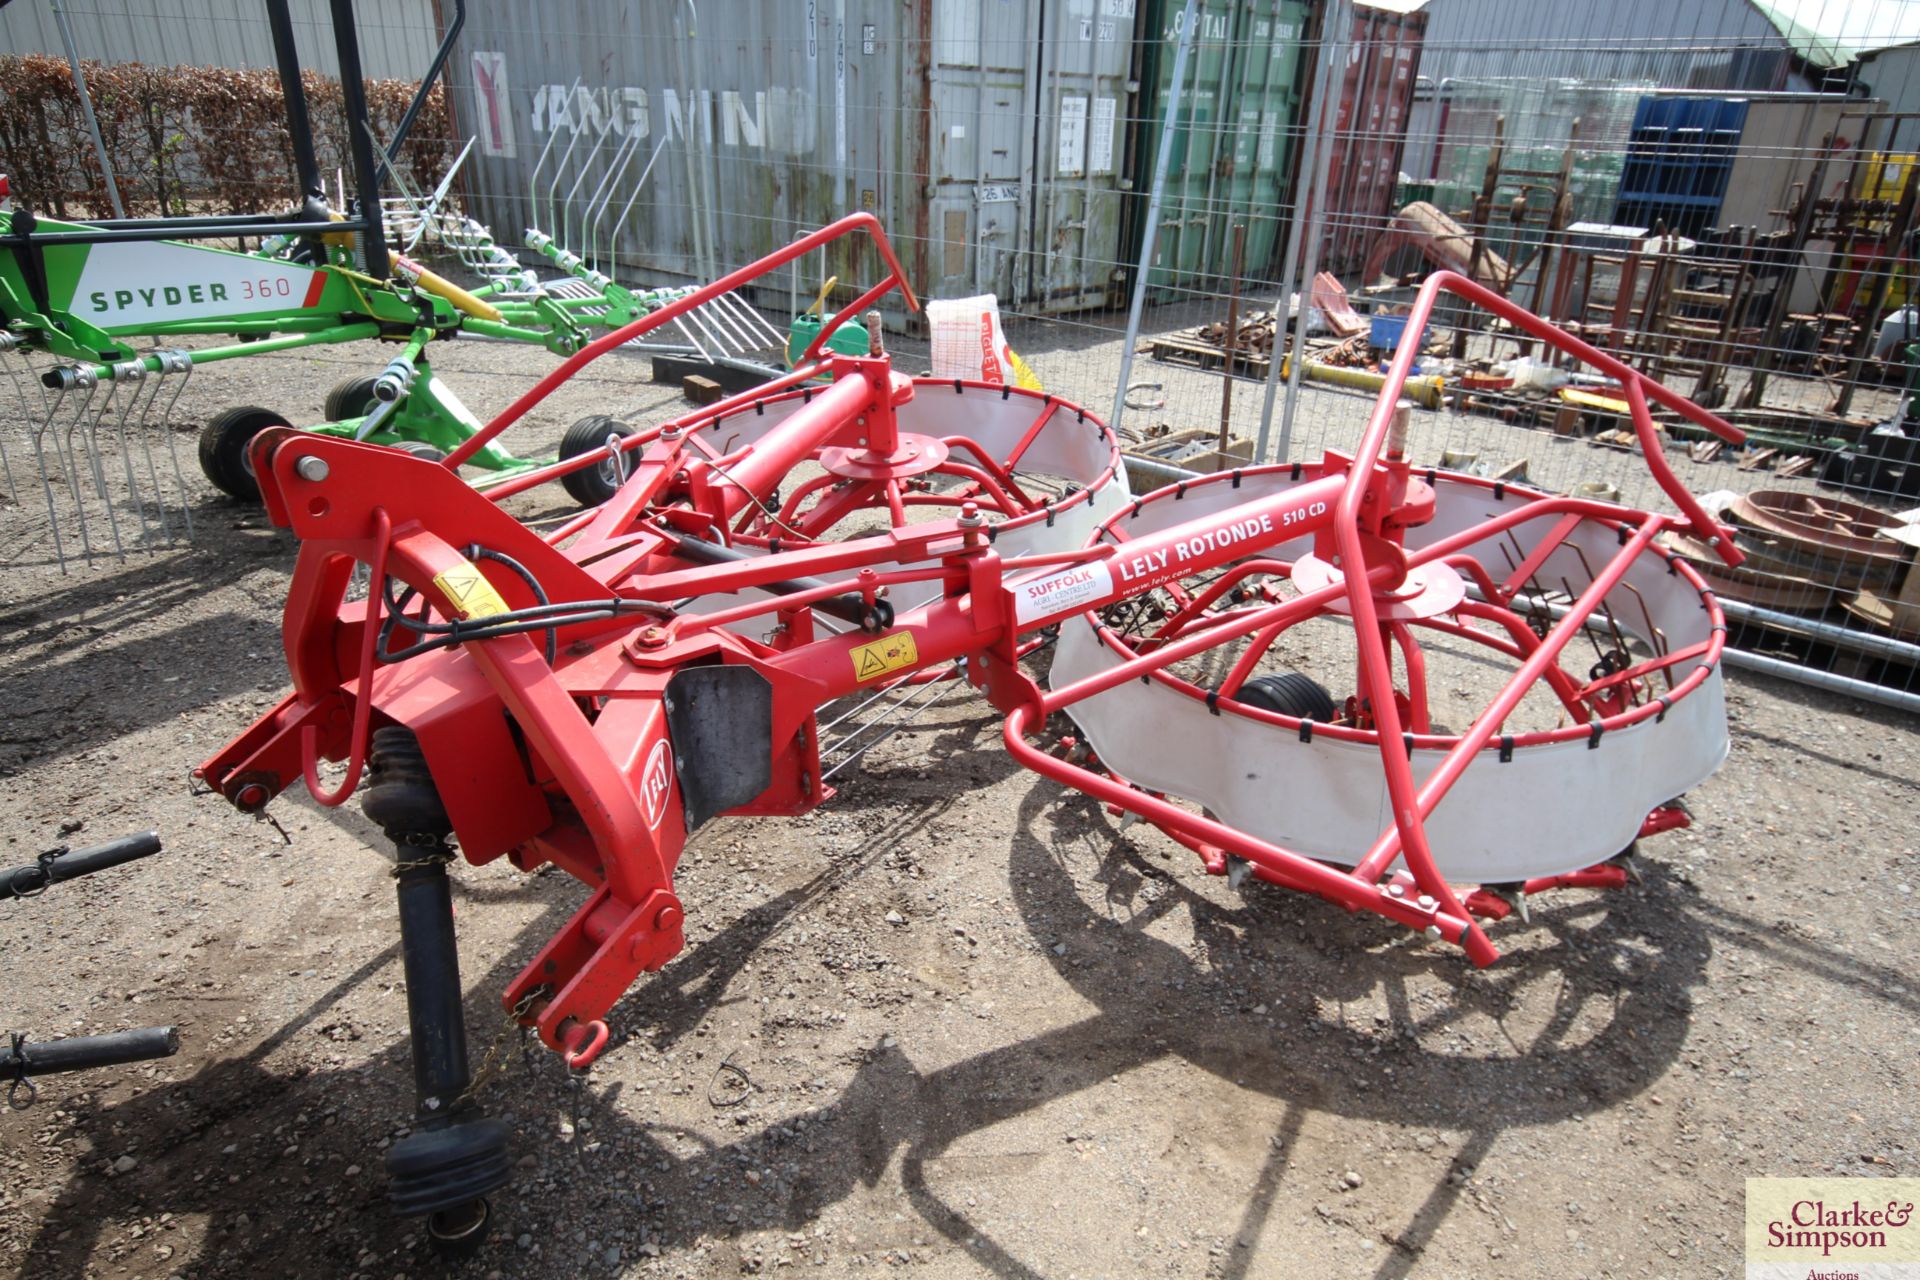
{"type": "Point", "coordinates": [1724, 199]}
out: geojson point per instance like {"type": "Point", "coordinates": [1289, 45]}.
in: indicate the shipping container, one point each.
{"type": "Point", "coordinates": [995, 160]}
{"type": "Point", "coordinates": [1370, 132]}
{"type": "Point", "coordinates": [1029, 156]}
{"type": "Point", "coordinates": [1230, 159]}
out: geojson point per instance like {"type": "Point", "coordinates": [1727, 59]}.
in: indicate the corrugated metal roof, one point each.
{"type": "Point", "coordinates": [1830, 34]}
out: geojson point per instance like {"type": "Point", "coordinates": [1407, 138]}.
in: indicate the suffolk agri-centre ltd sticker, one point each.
{"type": "Point", "coordinates": [1074, 587]}
{"type": "Point", "coordinates": [1833, 1229]}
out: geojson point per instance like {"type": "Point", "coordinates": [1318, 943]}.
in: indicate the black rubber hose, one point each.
{"type": "Point", "coordinates": [84, 1053]}
{"type": "Point", "coordinates": [848, 607]}
{"type": "Point", "coordinates": [26, 881]}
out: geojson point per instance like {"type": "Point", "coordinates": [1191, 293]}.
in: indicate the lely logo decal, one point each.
{"type": "Point", "coordinates": [656, 783]}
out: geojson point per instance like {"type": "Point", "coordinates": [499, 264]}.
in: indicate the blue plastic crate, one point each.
{"type": "Point", "coordinates": [1387, 332]}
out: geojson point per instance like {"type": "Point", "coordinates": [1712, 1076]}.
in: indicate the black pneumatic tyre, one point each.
{"type": "Point", "coordinates": [224, 443]}
{"type": "Point", "coordinates": [420, 449]}
{"type": "Point", "coordinates": [1289, 693]}
{"type": "Point", "coordinates": [591, 486]}
{"type": "Point", "coordinates": [351, 398]}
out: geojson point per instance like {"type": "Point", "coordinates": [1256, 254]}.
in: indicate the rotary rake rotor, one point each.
{"type": "Point", "coordinates": [591, 696]}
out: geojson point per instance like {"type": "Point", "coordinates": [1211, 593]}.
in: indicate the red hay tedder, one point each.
{"type": "Point", "coordinates": [590, 696]}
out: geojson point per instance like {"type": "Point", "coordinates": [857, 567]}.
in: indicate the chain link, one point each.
{"type": "Point", "coordinates": [493, 1060]}
{"type": "Point", "coordinates": [31, 882]}
{"type": "Point", "coordinates": [15, 1064]}
{"type": "Point", "coordinates": [438, 855]}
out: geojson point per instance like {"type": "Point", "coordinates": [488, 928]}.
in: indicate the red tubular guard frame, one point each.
{"type": "Point", "coordinates": [1437, 909]}
{"type": "Point", "coordinates": [805, 367]}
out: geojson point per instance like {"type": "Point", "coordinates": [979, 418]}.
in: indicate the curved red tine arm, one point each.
{"type": "Point", "coordinates": [362, 705]}
{"type": "Point", "coordinates": [679, 307]}
{"type": "Point", "coordinates": [847, 313]}
{"type": "Point", "coordinates": [1376, 671]}
{"type": "Point", "coordinates": [1704, 525]}
{"type": "Point", "coordinates": [1638, 386]}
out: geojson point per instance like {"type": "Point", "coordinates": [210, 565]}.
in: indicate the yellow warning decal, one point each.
{"type": "Point", "coordinates": [470, 591]}
{"type": "Point", "coordinates": [888, 653]}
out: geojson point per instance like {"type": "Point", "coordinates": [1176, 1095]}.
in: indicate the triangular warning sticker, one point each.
{"type": "Point", "coordinates": [890, 653]}
{"type": "Point", "coordinates": [472, 595]}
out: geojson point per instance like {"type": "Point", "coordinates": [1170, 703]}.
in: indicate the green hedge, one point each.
{"type": "Point", "coordinates": [188, 139]}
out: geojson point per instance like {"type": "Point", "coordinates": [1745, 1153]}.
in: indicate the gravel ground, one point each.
{"type": "Point", "coordinates": [958, 1021]}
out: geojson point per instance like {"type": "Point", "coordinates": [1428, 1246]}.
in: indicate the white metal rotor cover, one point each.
{"type": "Point", "coordinates": [1552, 808]}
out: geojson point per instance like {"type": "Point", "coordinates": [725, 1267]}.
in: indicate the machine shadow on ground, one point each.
{"type": "Point", "coordinates": [1072, 876]}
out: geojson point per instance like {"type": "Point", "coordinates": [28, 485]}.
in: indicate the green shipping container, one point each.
{"type": "Point", "coordinates": [1232, 148]}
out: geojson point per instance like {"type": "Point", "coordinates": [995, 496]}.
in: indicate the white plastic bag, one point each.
{"type": "Point", "coordinates": [969, 343]}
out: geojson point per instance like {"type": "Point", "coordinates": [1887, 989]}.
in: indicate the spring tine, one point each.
{"type": "Point", "coordinates": [432, 211]}
{"type": "Point", "coordinates": [757, 322]}
{"type": "Point", "coordinates": [415, 211]}
{"type": "Point", "coordinates": [81, 377]}
{"type": "Point", "coordinates": [911, 711]}
{"type": "Point", "coordinates": [151, 385]}
{"type": "Point", "coordinates": [749, 320]}
{"type": "Point", "coordinates": [143, 398]}
{"type": "Point", "coordinates": [98, 468]}
{"type": "Point", "coordinates": [638, 187]}
{"type": "Point", "coordinates": [604, 260]}
{"type": "Point", "coordinates": [6, 463]}
{"type": "Point", "coordinates": [695, 316]}
{"type": "Point", "coordinates": [716, 318]}
{"type": "Point", "coordinates": [587, 165]}
{"type": "Point", "coordinates": [559, 175]}
{"type": "Point", "coordinates": [134, 372]}
{"type": "Point", "coordinates": [68, 377]}
{"type": "Point", "coordinates": [8, 344]}
{"type": "Point", "coordinates": [533, 179]}
{"type": "Point", "coordinates": [729, 325]}
{"type": "Point", "coordinates": [601, 197]}
{"type": "Point", "coordinates": [12, 342]}
{"type": "Point", "coordinates": [171, 362]}
{"type": "Point", "coordinates": [446, 181]}
{"type": "Point", "coordinates": [680, 323]}
{"type": "Point", "coordinates": [884, 691]}
{"type": "Point", "coordinates": [730, 306]}
{"type": "Point", "coordinates": [46, 482]}
{"type": "Point", "coordinates": [774, 336]}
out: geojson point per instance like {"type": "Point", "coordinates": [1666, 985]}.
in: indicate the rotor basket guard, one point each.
{"type": "Point", "coordinates": [1155, 695]}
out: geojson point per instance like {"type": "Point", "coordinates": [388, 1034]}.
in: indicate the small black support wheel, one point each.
{"type": "Point", "coordinates": [444, 1171]}
{"type": "Point", "coordinates": [460, 1231]}
{"type": "Point", "coordinates": [592, 486]}
{"type": "Point", "coordinates": [224, 444]}
{"type": "Point", "coordinates": [421, 449]}
{"type": "Point", "coordinates": [351, 398]}
{"type": "Point", "coordinates": [1289, 693]}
